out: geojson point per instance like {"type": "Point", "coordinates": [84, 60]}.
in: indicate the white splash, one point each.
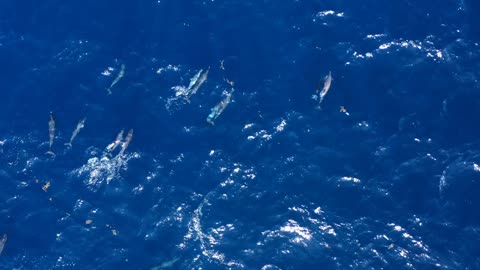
{"type": "Point", "coordinates": [350, 179]}
{"type": "Point", "coordinates": [168, 68]}
{"type": "Point", "coordinates": [325, 13]}
{"type": "Point", "coordinates": [281, 126]}
{"type": "Point", "coordinates": [476, 167]}
{"type": "Point", "coordinates": [293, 227]}
{"type": "Point", "coordinates": [97, 170]}
{"type": "Point", "coordinates": [375, 36]}
{"type": "Point", "coordinates": [108, 71]}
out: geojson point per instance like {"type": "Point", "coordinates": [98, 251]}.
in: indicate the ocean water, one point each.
{"type": "Point", "coordinates": [385, 175]}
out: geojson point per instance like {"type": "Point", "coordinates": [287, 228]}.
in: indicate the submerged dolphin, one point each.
{"type": "Point", "coordinates": [2, 242]}
{"type": "Point", "coordinates": [195, 83]}
{"type": "Point", "coordinates": [166, 264]}
{"type": "Point", "coordinates": [117, 79]}
{"type": "Point", "coordinates": [80, 125]}
{"type": "Point", "coordinates": [219, 108]}
{"type": "Point", "coordinates": [51, 134]}
{"type": "Point", "coordinates": [324, 90]}
{"type": "Point", "coordinates": [125, 144]}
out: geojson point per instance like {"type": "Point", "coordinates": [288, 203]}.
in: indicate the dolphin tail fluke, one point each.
{"type": "Point", "coordinates": [68, 145]}
{"type": "Point", "coordinates": [50, 152]}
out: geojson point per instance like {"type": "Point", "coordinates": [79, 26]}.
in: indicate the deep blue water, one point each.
{"type": "Point", "coordinates": [390, 183]}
